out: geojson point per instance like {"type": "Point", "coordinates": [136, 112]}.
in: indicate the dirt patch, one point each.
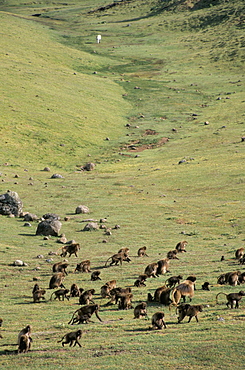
{"type": "Point", "coordinates": [136, 147]}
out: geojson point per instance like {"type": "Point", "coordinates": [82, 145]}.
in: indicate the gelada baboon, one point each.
{"type": "Point", "coordinates": [231, 278]}
{"type": "Point", "coordinates": [118, 258]}
{"type": "Point", "coordinates": [157, 294]}
{"type": "Point", "coordinates": [56, 280]}
{"type": "Point", "coordinates": [186, 309]}
{"type": "Point", "coordinates": [60, 294]}
{"type": "Point", "coordinates": [172, 255]}
{"type": "Point", "coordinates": [184, 289]}
{"type": "Point", "coordinates": [83, 266]}
{"type": "Point", "coordinates": [241, 278]}
{"type": "Point", "coordinates": [239, 253]}
{"type": "Point", "coordinates": [163, 266]}
{"type": "Point", "coordinates": [205, 286]}
{"type": "Point", "coordinates": [140, 281]}
{"type": "Point", "coordinates": [151, 270]}
{"type": "Point", "coordinates": [157, 321]}
{"type": "Point", "coordinates": [38, 295]}
{"type": "Point", "coordinates": [124, 250]}
{"type": "Point", "coordinates": [232, 298]}
{"type": "Point", "coordinates": [36, 287]}
{"type": "Point", "coordinates": [242, 260]}
{"type": "Point", "coordinates": [173, 280]}
{"type": "Point", "coordinates": [180, 247]}
{"type": "Point", "coordinates": [83, 314]}
{"type": "Point", "coordinates": [24, 339]}
{"type": "Point", "coordinates": [95, 275]}
{"type": "Point", "coordinates": [125, 301]}
{"type": "Point", "coordinates": [140, 310]}
{"type": "Point", "coordinates": [75, 291]}
{"type": "Point", "coordinates": [87, 297]}
{"type": "Point", "coordinates": [71, 338]}
{"type": "Point", "coordinates": [106, 289]}
{"type": "Point", "coordinates": [60, 267]}
{"type": "Point", "coordinates": [72, 248]}
{"type": "Point", "coordinates": [142, 252]}
{"type": "Point", "coordinates": [117, 293]}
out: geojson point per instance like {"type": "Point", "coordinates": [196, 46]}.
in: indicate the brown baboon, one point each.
{"type": "Point", "coordinates": [140, 310]}
{"type": "Point", "coordinates": [124, 250]}
{"type": "Point", "coordinates": [95, 275]}
{"type": "Point", "coordinates": [111, 284]}
{"type": "Point", "coordinates": [72, 248]}
{"type": "Point", "coordinates": [151, 270]}
{"type": "Point", "coordinates": [165, 297]}
{"type": "Point", "coordinates": [232, 298]}
{"type": "Point", "coordinates": [205, 286]}
{"type": "Point", "coordinates": [25, 343]}
{"type": "Point", "coordinates": [84, 314]}
{"type": "Point", "coordinates": [173, 280]}
{"type": "Point", "coordinates": [221, 279]}
{"type": "Point", "coordinates": [158, 321]}
{"type": "Point", "coordinates": [71, 337]}
{"type": "Point", "coordinates": [157, 294]}
{"type": "Point", "coordinates": [186, 288]}
{"type": "Point", "coordinates": [60, 293]}
{"type": "Point", "coordinates": [35, 288]}
{"type": "Point", "coordinates": [38, 295]}
{"type": "Point", "coordinates": [75, 291]}
{"type": "Point", "coordinates": [180, 247]}
{"type": "Point", "coordinates": [56, 280]}
{"type": "Point", "coordinates": [105, 291]}
{"type": "Point", "coordinates": [241, 278]}
{"type": "Point", "coordinates": [242, 260]}
{"type": "Point", "coordinates": [163, 266]}
{"type": "Point", "coordinates": [125, 301]}
{"type": "Point", "coordinates": [117, 293]}
{"type": "Point", "coordinates": [142, 252]}
{"type": "Point", "coordinates": [172, 255]}
{"type": "Point", "coordinates": [239, 253]}
{"type": "Point", "coordinates": [231, 278]}
{"type": "Point", "coordinates": [87, 297]}
{"type": "Point", "coordinates": [26, 331]}
{"type": "Point", "coordinates": [60, 267]}
{"type": "Point", "coordinates": [83, 266]}
{"type": "Point", "coordinates": [140, 281]}
{"type": "Point", "coordinates": [118, 258]}
{"type": "Point", "coordinates": [186, 309]}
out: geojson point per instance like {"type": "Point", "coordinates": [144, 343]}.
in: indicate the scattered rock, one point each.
{"type": "Point", "coordinates": [49, 227]}
{"type": "Point", "coordinates": [57, 176]}
{"type": "Point", "coordinates": [91, 226]}
{"type": "Point", "coordinates": [82, 209]}
{"type": "Point", "coordinates": [10, 204]}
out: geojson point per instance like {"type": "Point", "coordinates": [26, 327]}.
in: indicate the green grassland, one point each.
{"type": "Point", "coordinates": [164, 69]}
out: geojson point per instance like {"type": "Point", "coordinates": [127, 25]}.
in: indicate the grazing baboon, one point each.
{"type": "Point", "coordinates": [75, 291]}
{"type": "Point", "coordinates": [25, 343]}
{"type": "Point", "coordinates": [83, 266]}
{"type": "Point", "coordinates": [72, 248]}
{"type": "Point", "coordinates": [142, 252]}
{"type": "Point", "coordinates": [239, 253]}
{"type": "Point", "coordinates": [140, 281]}
{"type": "Point", "coordinates": [118, 258]}
{"type": "Point", "coordinates": [71, 338]}
{"type": "Point", "coordinates": [87, 297]}
{"type": "Point", "coordinates": [26, 331]}
{"type": "Point", "coordinates": [163, 266]}
{"type": "Point", "coordinates": [151, 270]}
{"type": "Point", "coordinates": [56, 280]}
{"type": "Point", "coordinates": [173, 280]}
{"type": "Point", "coordinates": [232, 298]}
{"type": "Point", "coordinates": [231, 278]}
{"type": "Point", "coordinates": [60, 293]}
{"type": "Point", "coordinates": [38, 295]}
{"type": "Point", "coordinates": [117, 293]}
{"type": "Point", "coordinates": [205, 286]}
{"type": "Point", "coordinates": [186, 288]}
{"type": "Point", "coordinates": [125, 301]}
{"type": "Point", "coordinates": [84, 314]}
{"type": "Point", "coordinates": [60, 267]}
{"type": "Point", "coordinates": [140, 310]}
{"type": "Point", "coordinates": [35, 288]}
{"type": "Point", "coordinates": [95, 275]}
{"type": "Point", "coordinates": [172, 255]}
{"type": "Point", "coordinates": [157, 321]}
{"type": "Point", "coordinates": [180, 247]}
{"type": "Point", "coordinates": [186, 309]}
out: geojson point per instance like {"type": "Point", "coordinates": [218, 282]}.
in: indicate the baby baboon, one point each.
{"type": "Point", "coordinates": [151, 270]}
{"type": "Point", "coordinates": [163, 266]}
{"type": "Point", "coordinates": [205, 286]}
{"type": "Point", "coordinates": [140, 310]}
{"type": "Point", "coordinates": [25, 343]}
{"type": "Point", "coordinates": [71, 337]}
{"type": "Point", "coordinates": [60, 267]}
{"type": "Point", "coordinates": [60, 293]}
{"type": "Point", "coordinates": [118, 258]}
{"type": "Point", "coordinates": [95, 275]}
{"type": "Point", "coordinates": [125, 301]}
{"type": "Point", "coordinates": [180, 247]}
{"type": "Point", "coordinates": [38, 295]}
{"type": "Point", "coordinates": [173, 280]}
{"type": "Point", "coordinates": [184, 289]}
{"type": "Point", "coordinates": [75, 291]}
{"type": "Point", "coordinates": [84, 314]}
{"type": "Point", "coordinates": [186, 309]}
{"type": "Point", "coordinates": [72, 248]}
{"type": "Point", "coordinates": [83, 266]}
{"type": "Point", "coordinates": [140, 281]}
{"type": "Point", "coordinates": [158, 321]}
{"type": "Point", "coordinates": [87, 297]}
{"type": "Point", "coordinates": [222, 258]}
{"type": "Point", "coordinates": [36, 287]}
{"type": "Point", "coordinates": [56, 280]}
{"type": "Point", "coordinates": [239, 253]}
{"type": "Point", "coordinates": [232, 298]}
{"type": "Point", "coordinates": [172, 255]}
{"type": "Point", "coordinates": [142, 252]}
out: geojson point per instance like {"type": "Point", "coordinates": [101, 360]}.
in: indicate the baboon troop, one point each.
{"type": "Point", "coordinates": [71, 338]}
{"type": "Point", "coordinates": [70, 249]}
{"type": "Point", "coordinates": [60, 294]}
{"type": "Point", "coordinates": [232, 298]}
{"type": "Point", "coordinates": [186, 309]}
{"type": "Point", "coordinates": [157, 320]}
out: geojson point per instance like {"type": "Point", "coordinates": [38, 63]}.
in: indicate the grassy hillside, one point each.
{"type": "Point", "coordinates": [162, 118]}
